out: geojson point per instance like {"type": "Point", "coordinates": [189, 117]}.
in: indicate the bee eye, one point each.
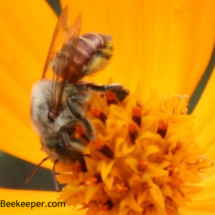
{"type": "Point", "coordinates": [60, 145]}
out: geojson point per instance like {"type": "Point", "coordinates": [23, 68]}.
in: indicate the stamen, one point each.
{"type": "Point", "coordinates": [133, 133]}
{"type": "Point", "coordinates": [142, 165]}
{"type": "Point", "coordinates": [136, 115]}
{"type": "Point", "coordinates": [176, 104]}
{"type": "Point", "coordinates": [100, 146]}
{"type": "Point", "coordinates": [122, 188]}
{"type": "Point", "coordinates": [177, 148]}
{"type": "Point", "coordinates": [107, 206]}
{"type": "Point", "coordinates": [137, 167]}
{"type": "Point", "coordinates": [93, 180]}
{"type": "Point", "coordinates": [162, 128]}
{"type": "Point", "coordinates": [98, 114]}
{"type": "Point", "coordinates": [172, 170]}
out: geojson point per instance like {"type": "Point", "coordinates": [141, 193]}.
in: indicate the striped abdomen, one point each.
{"type": "Point", "coordinates": [92, 54]}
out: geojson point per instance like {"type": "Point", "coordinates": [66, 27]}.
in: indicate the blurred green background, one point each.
{"type": "Point", "coordinates": [14, 171]}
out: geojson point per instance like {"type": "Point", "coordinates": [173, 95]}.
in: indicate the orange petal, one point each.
{"type": "Point", "coordinates": [205, 122]}
{"type": "Point", "coordinates": [34, 197]}
{"type": "Point", "coordinates": [193, 212]}
{"type": "Point", "coordinates": [165, 44]}
{"type": "Point", "coordinates": [26, 32]}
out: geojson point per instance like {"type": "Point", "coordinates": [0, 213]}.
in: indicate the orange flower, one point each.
{"type": "Point", "coordinates": [165, 45]}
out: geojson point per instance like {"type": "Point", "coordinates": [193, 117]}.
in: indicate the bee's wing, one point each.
{"type": "Point", "coordinates": [58, 39]}
{"type": "Point", "coordinates": [61, 77]}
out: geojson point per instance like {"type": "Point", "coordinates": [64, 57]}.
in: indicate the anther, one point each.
{"type": "Point", "coordinates": [101, 147]}
{"type": "Point", "coordinates": [122, 188]}
{"type": "Point", "coordinates": [98, 114]}
{"type": "Point", "coordinates": [107, 206]}
{"type": "Point", "coordinates": [162, 128]}
{"type": "Point", "coordinates": [133, 133]}
{"type": "Point", "coordinates": [110, 97]}
{"type": "Point", "coordinates": [204, 164]}
{"type": "Point", "coordinates": [142, 165]}
{"type": "Point", "coordinates": [96, 179]}
{"type": "Point", "coordinates": [177, 148]}
{"type": "Point", "coordinates": [136, 115]}
{"type": "Point", "coordinates": [172, 170]}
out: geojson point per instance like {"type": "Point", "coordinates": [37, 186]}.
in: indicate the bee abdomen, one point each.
{"type": "Point", "coordinates": [89, 45]}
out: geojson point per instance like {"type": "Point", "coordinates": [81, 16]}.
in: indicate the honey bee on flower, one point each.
{"type": "Point", "coordinates": [59, 104]}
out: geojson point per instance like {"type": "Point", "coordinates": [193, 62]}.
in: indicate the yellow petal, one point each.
{"type": "Point", "coordinates": [91, 190]}
{"type": "Point", "coordinates": [26, 30]}
{"type": "Point", "coordinates": [132, 202]}
{"type": "Point", "coordinates": [106, 168]}
{"type": "Point", "coordinates": [159, 43]}
{"type": "Point", "coordinates": [9, 195]}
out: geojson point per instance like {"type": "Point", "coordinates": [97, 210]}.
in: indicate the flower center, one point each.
{"type": "Point", "coordinates": [143, 160]}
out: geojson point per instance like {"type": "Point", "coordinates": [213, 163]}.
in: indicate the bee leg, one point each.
{"type": "Point", "coordinates": [64, 134]}
{"type": "Point", "coordinates": [68, 143]}
{"type": "Point", "coordinates": [117, 89]}
{"type": "Point", "coordinates": [77, 113]}
{"type": "Point", "coordinates": [54, 176]}
{"type": "Point", "coordinates": [120, 92]}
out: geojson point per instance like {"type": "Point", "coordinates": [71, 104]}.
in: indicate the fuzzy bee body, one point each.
{"type": "Point", "coordinates": [59, 104]}
{"type": "Point", "coordinates": [49, 131]}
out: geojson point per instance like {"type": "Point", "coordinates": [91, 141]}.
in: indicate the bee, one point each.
{"type": "Point", "coordinates": [59, 103]}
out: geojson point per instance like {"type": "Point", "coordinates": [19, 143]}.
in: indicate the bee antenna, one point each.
{"type": "Point", "coordinates": [34, 170]}
{"type": "Point", "coordinates": [54, 176]}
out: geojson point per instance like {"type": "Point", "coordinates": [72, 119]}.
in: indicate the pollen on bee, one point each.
{"type": "Point", "coordinates": [162, 128]}
{"type": "Point", "coordinates": [80, 130]}
{"type": "Point", "coordinates": [81, 133]}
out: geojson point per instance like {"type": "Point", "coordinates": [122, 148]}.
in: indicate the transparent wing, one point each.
{"type": "Point", "coordinates": [60, 77]}
{"type": "Point", "coordinates": [58, 39]}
